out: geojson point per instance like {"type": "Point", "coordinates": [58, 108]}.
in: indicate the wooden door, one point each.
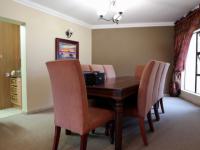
{"type": "Point", "coordinates": [9, 59]}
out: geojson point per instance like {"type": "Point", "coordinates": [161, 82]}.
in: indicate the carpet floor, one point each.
{"type": "Point", "coordinates": [178, 129]}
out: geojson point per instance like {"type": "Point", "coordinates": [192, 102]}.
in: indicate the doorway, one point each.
{"type": "Point", "coordinates": [10, 69]}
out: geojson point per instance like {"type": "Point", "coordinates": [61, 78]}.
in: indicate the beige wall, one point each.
{"type": "Point", "coordinates": [127, 47]}
{"type": "Point", "coordinates": [41, 31]}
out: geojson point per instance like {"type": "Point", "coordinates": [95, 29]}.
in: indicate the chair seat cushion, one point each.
{"type": "Point", "coordinates": [99, 116]}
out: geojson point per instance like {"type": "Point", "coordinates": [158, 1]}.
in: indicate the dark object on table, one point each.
{"type": "Point", "coordinates": [89, 78]}
{"type": "Point", "coordinates": [99, 77]}
{"type": "Point", "coordinates": [94, 78]}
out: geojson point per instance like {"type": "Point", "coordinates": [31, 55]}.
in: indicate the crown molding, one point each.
{"type": "Point", "coordinates": [52, 12]}
{"type": "Point", "coordinates": [132, 25]}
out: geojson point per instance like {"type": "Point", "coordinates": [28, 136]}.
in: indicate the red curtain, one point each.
{"type": "Point", "coordinates": [184, 29]}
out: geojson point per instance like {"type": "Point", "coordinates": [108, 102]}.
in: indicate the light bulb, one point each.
{"type": "Point", "coordinates": [118, 16]}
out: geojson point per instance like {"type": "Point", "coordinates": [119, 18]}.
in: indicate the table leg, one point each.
{"type": "Point", "coordinates": [118, 124]}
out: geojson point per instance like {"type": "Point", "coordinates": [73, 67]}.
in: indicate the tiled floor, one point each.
{"type": "Point", "coordinates": [9, 112]}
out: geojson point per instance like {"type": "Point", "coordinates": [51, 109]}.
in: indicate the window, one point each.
{"type": "Point", "coordinates": [192, 66]}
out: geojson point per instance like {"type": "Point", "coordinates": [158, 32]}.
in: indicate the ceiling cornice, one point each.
{"type": "Point", "coordinates": [132, 25]}
{"type": "Point", "coordinates": [53, 12]}
{"type": "Point", "coordinates": [82, 23]}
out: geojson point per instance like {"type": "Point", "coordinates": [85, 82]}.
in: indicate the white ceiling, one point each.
{"type": "Point", "coordinates": [136, 11]}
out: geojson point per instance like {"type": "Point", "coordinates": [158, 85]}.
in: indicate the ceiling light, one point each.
{"type": "Point", "coordinates": [112, 14]}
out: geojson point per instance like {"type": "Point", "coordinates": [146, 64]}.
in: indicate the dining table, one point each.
{"type": "Point", "coordinates": [116, 89]}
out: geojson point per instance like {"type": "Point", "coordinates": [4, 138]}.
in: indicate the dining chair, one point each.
{"type": "Point", "coordinates": [109, 71]}
{"type": "Point", "coordinates": [163, 69]}
{"type": "Point", "coordinates": [156, 88]}
{"type": "Point", "coordinates": [145, 99]}
{"type": "Point", "coordinates": [85, 67]}
{"type": "Point", "coordinates": [138, 71]}
{"type": "Point", "coordinates": [71, 110]}
{"type": "Point", "coordinates": [162, 85]}
{"type": "Point", "coordinates": [96, 67]}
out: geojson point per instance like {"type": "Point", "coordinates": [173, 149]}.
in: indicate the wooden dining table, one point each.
{"type": "Point", "coordinates": [117, 89]}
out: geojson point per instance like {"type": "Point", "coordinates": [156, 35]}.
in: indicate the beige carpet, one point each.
{"type": "Point", "coordinates": [178, 129]}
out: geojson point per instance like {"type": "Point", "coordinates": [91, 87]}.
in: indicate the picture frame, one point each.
{"type": "Point", "coordinates": [66, 49]}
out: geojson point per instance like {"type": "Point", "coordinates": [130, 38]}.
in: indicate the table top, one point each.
{"type": "Point", "coordinates": [115, 88]}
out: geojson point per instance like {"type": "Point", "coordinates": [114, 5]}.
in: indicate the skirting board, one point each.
{"type": "Point", "coordinates": [193, 98]}
{"type": "Point", "coordinates": [166, 95]}
{"type": "Point", "coordinates": [39, 110]}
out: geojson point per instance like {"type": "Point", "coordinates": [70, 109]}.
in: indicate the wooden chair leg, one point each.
{"type": "Point", "coordinates": [156, 105]}
{"type": "Point", "coordinates": [56, 137]}
{"type": "Point", "coordinates": [162, 106]}
{"type": "Point", "coordinates": [107, 129]}
{"type": "Point", "coordinates": [142, 131]}
{"type": "Point", "coordinates": [68, 132]}
{"type": "Point", "coordinates": [83, 144]}
{"type": "Point", "coordinates": [112, 132]}
{"type": "Point", "coordinates": [150, 121]}
{"type": "Point", "coordinates": [93, 131]}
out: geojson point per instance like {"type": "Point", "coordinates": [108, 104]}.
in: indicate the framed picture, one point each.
{"type": "Point", "coordinates": [67, 49]}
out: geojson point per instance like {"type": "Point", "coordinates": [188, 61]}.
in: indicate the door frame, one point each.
{"type": "Point", "coordinates": [23, 67]}
{"type": "Point", "coordinates": [23, 59]}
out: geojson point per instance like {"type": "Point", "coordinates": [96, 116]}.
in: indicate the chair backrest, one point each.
{"type": "Point", "coordinates": [99, 68]}
{"type": "Point", "coordinates": [85, 67]}
{"type": "Point", "coordinates": [158, 81]}
{"type": "Point", "coordinates": [162, 81]}
{"type": "Point", "coordinates": [146, 88]}
{"type": "Point", "coordinates": [138, 71]}
{"type": "Point", "coordinates": [109, 71]}
{"type": "Point", "coordinates": [69, 95]}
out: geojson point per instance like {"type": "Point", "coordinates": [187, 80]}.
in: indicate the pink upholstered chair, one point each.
{"type": "Point", "coordinates": [161, 76]}
{"type": "Point", "coordinates": [156, 88]}
{"type": "Point", "coordinates": [159, 85]}
{"type": "Point", "coordinates": [139, 70]}
{"type": "Point", "coordinates": [71, 109]}
{"type": "Point", "coordinates": [95, 67]}
{"type": "Point", "coordinates": [109, 71]}
{"type": "Point", "coordinates": [85, 67]}
{"type": "Point", "coordinates": [162, 85]}
{"type": "Point", "coordinates": [145, 98]}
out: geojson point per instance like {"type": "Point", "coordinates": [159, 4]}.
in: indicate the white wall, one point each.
{"type": "Point", "coordinates": [41, 31]}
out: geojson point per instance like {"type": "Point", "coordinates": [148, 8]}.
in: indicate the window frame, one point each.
{"type": "Point", "coordinates": [197, 55]}
{"type": "Point", "coordinates": [197, 72]}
